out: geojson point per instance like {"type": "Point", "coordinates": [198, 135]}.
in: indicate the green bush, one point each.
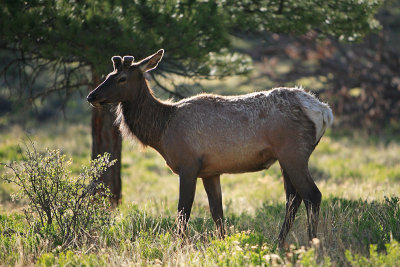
{"type": "Point", "coordinates": [60, 206]}
{"type": "Point", "coordinates": [390, 258]}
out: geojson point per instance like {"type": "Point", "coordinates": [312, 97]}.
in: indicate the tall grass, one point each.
{"type": "Point", "coordinates": [354, 173]}
{"type": "Point", "coordinates": [140, 238]}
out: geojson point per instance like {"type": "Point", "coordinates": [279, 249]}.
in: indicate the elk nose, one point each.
{"type": "Point", "coordinates": [91, 97]}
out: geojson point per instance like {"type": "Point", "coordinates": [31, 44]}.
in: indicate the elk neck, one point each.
{"type": "Point", "coordinates": [144, 117]}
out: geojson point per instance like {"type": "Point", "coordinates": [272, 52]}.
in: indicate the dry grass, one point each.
{"type": "Point", "coordinates": [346, 167]}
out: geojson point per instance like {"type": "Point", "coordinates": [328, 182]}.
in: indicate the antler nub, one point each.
{"type": "Point", "coordinates": [128, 61]}
{"type": "Point", "coordinates": [117, 62]}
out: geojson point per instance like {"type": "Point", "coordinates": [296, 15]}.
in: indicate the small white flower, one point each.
{"type": "Point", "coordinates": [238, 248]}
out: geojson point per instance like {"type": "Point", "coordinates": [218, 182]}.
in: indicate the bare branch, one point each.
{"type": "Point", "coordinates": [172, 93]}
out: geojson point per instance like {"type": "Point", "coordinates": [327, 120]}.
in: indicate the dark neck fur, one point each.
{"type": "Point", "coordinates": [145, 117]}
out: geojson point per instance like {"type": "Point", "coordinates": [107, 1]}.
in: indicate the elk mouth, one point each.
{"type": "Point", "coordinates": [95, 100]}
{"type": "Point", "coordinates": [98, 104]}
{"type": "Point", "coordinates": [95, 104]}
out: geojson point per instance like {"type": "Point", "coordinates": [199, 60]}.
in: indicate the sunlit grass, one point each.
{"type": "Point", "coordinates": [140, 238]}
{"type": "Point", "coordinates": [356, 168]}
{"type": "Point", "coordinates": [350, 167]}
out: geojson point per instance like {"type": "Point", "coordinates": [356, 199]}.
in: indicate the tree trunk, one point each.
{"type": "Point", "coordinates": [106, 138]}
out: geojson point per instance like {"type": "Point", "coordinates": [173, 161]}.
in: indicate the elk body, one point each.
{"type": "Point", "coordinates": [207, 135]}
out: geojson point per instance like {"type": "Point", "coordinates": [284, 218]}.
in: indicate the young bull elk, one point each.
{"type": "Point", "coordinates": [208, 135]}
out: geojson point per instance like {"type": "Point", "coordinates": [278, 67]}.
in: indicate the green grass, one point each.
{"type": "Point", "coordinates": [353, 171]}
{"type": "Point", "coordinates": [139, 238]}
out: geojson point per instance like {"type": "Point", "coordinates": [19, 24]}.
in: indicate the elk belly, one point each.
{"type": "Point", "coordinates": [236, 162]}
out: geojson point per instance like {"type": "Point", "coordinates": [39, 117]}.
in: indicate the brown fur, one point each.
{"type": "Point", "coordinates": [208, 135]}
{"type": "Point", "coordinates": [144, 119]}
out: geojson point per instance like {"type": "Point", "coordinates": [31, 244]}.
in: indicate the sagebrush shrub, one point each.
{"type": "Point", "coordinates": [60, 205]}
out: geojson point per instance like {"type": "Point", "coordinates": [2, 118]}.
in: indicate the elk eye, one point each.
{"type": "Point", "coordinates": [122, 79]}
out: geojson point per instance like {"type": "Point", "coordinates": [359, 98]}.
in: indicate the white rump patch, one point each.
{"type": "Point", "coordinates": [318, 112]}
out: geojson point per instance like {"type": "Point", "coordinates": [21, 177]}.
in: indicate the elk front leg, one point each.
{"type": "Point", "coordinates": [212, 185]}
{"type": "Point", "coordinates": [187, 188]}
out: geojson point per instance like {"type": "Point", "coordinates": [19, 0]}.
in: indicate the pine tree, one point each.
{"type": "Point", "coordinates": [74, 40]}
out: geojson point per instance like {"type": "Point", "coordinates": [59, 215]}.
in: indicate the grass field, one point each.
{"type": "Point", "coordinates": [358, 175]}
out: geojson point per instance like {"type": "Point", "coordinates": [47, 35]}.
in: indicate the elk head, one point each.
{"type": "Point", "coordinates": [124, 82]}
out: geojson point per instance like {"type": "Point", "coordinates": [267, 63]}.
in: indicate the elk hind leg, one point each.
{"type": "Point", "coordinates": [293, 201]}
{"type": "Point", "coordinates": [300, 178]}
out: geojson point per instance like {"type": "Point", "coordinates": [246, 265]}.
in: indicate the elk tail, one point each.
{"type": "Point", "coordinates": [318, 112]}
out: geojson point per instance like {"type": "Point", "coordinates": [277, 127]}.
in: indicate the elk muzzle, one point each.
{"type": "Point", "coordinates": [95, 100]}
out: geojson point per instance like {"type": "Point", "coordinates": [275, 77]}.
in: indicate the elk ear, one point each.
{"type": "Point", "coordinates": [128, 61]}
{"type": "Point", "coordinates": [117, 62]}
{"type": "Point", "coordinates": [152, 61]}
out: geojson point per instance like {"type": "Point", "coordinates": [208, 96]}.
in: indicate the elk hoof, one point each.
{"type": "Point", "coordinates": [283, 245]}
